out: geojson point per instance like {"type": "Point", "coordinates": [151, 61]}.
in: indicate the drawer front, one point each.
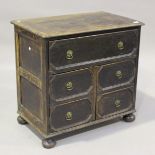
{"type": "Point", "coordinates": [70, 84]}
{"type": "Point", "coordinates": [72, 52]}
{"type": "Point", "coordinates": [71, 114]}
{"type": "Point", "coordinates": [113, 103]}
{"type": "Point", "coordinates": [117, 74]}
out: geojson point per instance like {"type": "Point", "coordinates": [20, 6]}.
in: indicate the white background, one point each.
{"type": "Point", "coordinates": [121, 138]}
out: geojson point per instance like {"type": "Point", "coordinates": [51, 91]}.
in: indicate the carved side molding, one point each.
{"type": "Point", "coordinates": [30, 77]}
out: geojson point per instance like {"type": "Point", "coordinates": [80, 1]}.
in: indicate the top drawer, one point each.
{"type": "Point", "coordinates": [85, 50]}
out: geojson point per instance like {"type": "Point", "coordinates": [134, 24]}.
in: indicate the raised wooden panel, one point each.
{"type": "Point", "coordinates": [116, 74]}
{"type": "Point", "coordinates": [70, 114]}
{"type": "Point", "coordinates": [86, 50]}
{"type": "Point", "coordinates": [71, 84]}
{"type": "Point", "coordinates": [31, 97]}
{"type": "Point", "coordinates": [30, 55]}
{"type": "Point", "coordinates": [115, 102]}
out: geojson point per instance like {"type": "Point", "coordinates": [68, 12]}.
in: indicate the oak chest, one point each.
{"type": "Point", "coordinates": [76, 72]}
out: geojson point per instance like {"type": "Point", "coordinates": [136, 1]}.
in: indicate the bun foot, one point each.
{"type": "Point", "coordinates": [21, 120]}
{"type": "Point", "coordinates": [129, 118]}
{"type": "Point", "coordinates": [48, 143]}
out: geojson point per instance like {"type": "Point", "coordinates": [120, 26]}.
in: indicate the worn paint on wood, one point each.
{"type": "Point", "coordinates": [75, 24]}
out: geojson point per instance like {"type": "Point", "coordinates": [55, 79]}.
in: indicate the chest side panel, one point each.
{"type": "Point", "coordinates": [31, 82]}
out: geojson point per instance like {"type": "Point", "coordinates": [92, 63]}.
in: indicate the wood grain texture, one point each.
{"type": "Point", "coordinates": [76, 23]}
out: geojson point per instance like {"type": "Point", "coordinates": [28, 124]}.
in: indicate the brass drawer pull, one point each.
{"type": "Point", "coordinates": [119, 74]}
{"type": "Point", "coordinates": [117, 103]}
{"type": "Point", "coordinates": [69, 54]}
{"type": "Point", "coordinates": [69, 85]}
{"type": "Point", "coordinates": [69, 116]}
{"type": "Point", "coordinates": [120, 45]}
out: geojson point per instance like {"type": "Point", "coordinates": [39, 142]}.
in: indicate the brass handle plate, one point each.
{"type": "Point", "coordinates": [69, 116]}
{"type": "Point", "coordinates": [119, 74]}
{"type": "Point", "coordinates": [120, 45]}
{"type": "Point", "coordinates": [69, 54]}
{"type": "Point", "coordinates": [69, 85]}
{"type": "Point", "coordinates": [117, 103]}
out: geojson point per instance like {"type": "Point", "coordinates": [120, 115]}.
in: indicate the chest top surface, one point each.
{"type": "Point", "coordinates": [47, 27]}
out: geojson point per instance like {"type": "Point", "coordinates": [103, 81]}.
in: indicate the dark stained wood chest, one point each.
{"type": "Point", "coordinates": [76, 72]}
